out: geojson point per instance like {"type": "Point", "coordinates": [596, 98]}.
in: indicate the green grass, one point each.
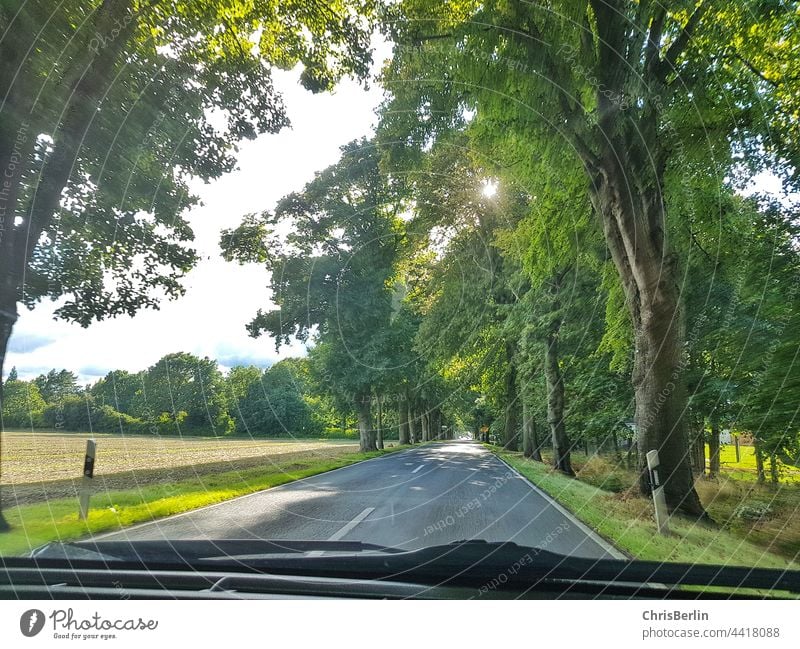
{"type": "Point", "coordinates": [745, 469]}
{"type": "Point", "coordinates": [627, 522]}
{"type": "Point", "coordinates": [57, 520]}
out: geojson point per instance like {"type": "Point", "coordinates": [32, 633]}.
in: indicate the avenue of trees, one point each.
{"type": "Point", "coordinates": [552, 238]}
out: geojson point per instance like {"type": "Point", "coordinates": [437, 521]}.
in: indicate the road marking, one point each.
{"type": "Point", "coordinates": [337, 536]}
{"type": "Point", "coordinates": [352, 524]}
{"type": "Point", "coordinates": [280, 488]}
{"type": "Point", "coordinates": [592, 534]}
{"type": "Point", "coordinates": [418, 468]}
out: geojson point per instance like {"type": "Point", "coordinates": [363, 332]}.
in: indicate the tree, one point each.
{"type": "Point", "coordinates": [117, 389]}
{"type": "Point", "coordinates": [331, 276]}
{"type": "Point", "coordinates": [237, 386]}
{"type": "Point", "coordinates": [624, 90]}
{"type": "Point", "coordinates": [275, 405]}
{"type": "Point", "coordinates": [185, 393]}
{"type": "Point", "coordinates": [471, 288]}
{"type": "Point", "coordinates": [23, 405]}
{"type": "Point", "coordinates": [55, 386]}
{"type": "Point", "coordinates": [105, 101]}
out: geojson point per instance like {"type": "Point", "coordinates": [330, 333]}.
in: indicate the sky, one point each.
{"type": "Point", "coordinates": [221, 297]}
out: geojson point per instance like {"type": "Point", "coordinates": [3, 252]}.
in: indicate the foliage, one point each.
{"type": "Point", "coordinates": [23, 405]}
{"type": "Point", "coordinates": [274, 404]}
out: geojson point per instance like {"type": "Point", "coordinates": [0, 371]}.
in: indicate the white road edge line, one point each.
{"type": "Point", "coordinates": [418, 468]}
{"type": "Point", "coordinates": [592, 534]}
{"type": "Point", "coordinates": [337, 536]}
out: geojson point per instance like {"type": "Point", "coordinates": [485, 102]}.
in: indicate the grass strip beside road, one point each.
{"type": "Point", "coordinates": [57, 520]}
{"type": "Point", "coordinates": [627, 522]}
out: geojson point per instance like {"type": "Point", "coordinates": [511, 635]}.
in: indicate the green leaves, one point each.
{"type": "Point", "coordinates": [114, 105]}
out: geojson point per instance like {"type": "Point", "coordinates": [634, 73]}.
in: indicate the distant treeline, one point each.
{"type": "Point", "coordinates": [181, 394]}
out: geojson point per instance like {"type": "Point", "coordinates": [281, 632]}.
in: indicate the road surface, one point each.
{"type": "Point", "coordinates": [430, 495]}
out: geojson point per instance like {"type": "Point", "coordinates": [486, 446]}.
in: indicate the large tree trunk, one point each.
{"type": "Point", "coordinates": [5, 334]}
{"type": "Point", "coordinates": [713, 450]}
{"type": "Point", "coordinates": [366, 435]}
{"type": "Point", "coordinates": [425, 423]}
{"type": "Point", "coordinates": [12, 156]}
{"type": "Point", "coordinates": [632, 213]}
{"type": "Point", "coordinates": [697, 448]}
{"type": "Point", "coordinates": [86, 81]}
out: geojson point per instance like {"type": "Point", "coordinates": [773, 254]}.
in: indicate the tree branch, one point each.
{"type": "Point", "coordinates": [697, 243]}
{"type": "Point", "coordinates": [419, 40]}
{"type": "Point", "coordinates": [653, 39]}
{"type": "Point", "coordinates": [755, 70]}
{"type": "Point", "coordinates": [677, 48]}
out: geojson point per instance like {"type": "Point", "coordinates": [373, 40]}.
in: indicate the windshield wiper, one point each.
{"type": "Point", "coordinates": [194, 551]}
{"type": "Point", "coordinates": [477, 564]}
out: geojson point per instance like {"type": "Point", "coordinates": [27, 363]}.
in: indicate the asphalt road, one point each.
{"type": "Point", "coordinates": [431, 495]}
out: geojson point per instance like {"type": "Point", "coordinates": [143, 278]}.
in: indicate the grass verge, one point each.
{"type": "Point", "coordinates": [627, 522]}
{"type": "Point", "coordinates": [57, 520]}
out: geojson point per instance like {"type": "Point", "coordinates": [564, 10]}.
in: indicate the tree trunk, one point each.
{"type": "Point", "coordinates": [530, 435]}
{"type": "Point", "coordinates": [627, 198]}
{"type": "Point", "coordinates": [366, 435]}
{"type": "Point", "coordinates": [379, 427]}
{"type": "Point", "coordinates": [537, 443]}
{"type": "Point", "coordinates": [555, 397]}
{"type": "Point", "coordinates": [402, 419]}
{"type": "Point", "coordinates": [5, 334]}
{"type": "Point", "coordinates": [510, 434]}
{"type": "Point", "coordinates": [713, 450]}
{"type": "Point", "coordinates": [425, 420]}
{"type": "Point", "coordinates": [697, 448]}
{"type": "Point", "coordinates": [773, 468]}
{"type": "Point", "coordinates": [632, 449]}
{"type": "Point", "coordinates": [87, 82]}
{"type": "Point", "coordinates": [759, 454]}
{"type": "Point", "coordinates": [413, 423]}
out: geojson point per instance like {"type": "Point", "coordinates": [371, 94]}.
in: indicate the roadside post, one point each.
{"type": "Point", "coordinates": [659, 500]}
{"type": "Point", "coordinates": [736, 445]}
{"type": "Point", "coordinates": [86, 480]}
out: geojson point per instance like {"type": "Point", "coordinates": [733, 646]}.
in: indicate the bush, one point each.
{"type": "Point", "coordinates": [82, 414]}
{"type": "Point", "coordinates": [338, 433]}
{"type": "Point", "coordinates": [108, 420]}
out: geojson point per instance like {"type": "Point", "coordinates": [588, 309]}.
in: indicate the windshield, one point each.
{"type": "Point", "coordinates": [402, 274]}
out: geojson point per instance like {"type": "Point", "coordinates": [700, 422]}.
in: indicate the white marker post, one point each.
{"type": "Point", "coordinates": [88, 476]}
{"type": "Point", "coordinates": [659, 500]}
